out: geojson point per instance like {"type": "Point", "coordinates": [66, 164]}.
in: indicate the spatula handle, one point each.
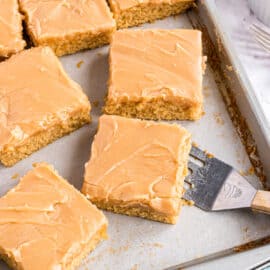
{"type": "Point", "coordinates": [261, 202]}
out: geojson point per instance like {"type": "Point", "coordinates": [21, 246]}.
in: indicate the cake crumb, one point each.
{"type": "Point", "coordinates": [96, 103]}
{"type": "Point", "coordinates": [229, 67]}
{"type": "Point", "coordinates": [99, 54]}
{"type": "Point", "coordinates": [125, 248]}
{"type": "Point", "coordinates": [251, 170]}
{"type": "Point", "coordinates": [79, 64]}
{"type": "Point", "coordinates": [209, 155]}
{"type": "Point", "coordinates": [227, 77]}
{"type": "Point", "coordinates": [218, 119]}
{"type": "Point", "coordinates": [15, 176]}
{"type": "Point", "coordinates": [218, 40]}
{"type": "Point", "coordinates": [114, 251]}
{"type": "Point", "coordinates": [158, 245]}
{"type": "Point", "coordinates": [134, 267]}
{"type": "Point", "coordinates": [188, 202]}
{"type": "Point", "coordinates": [195, 144]}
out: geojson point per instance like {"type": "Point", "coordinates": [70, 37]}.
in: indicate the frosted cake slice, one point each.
{"type": "Point", "coordinates": [156, 74]}
{"type": "Point", "coordinates": [68, 26]}
{"type": "Point", "coordinates": [130, 13]}
{"type": "Point", "coordinates": [46, 224]}
{"type": "Point", "coordinates": [39, 103]}
{"type": "Point", "coordinates": [137, 168]}
{"type": "Point", "coordinates": [11, 40]}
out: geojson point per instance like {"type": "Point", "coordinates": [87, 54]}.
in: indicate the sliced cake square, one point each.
{"type": "Point", "coordinates": [129, 12]}
{"type": "Point", "coordinates": [46, 224]}
{"type": "Point", "coordinates": [11, 40]}
{"type": "Point", "coordinates": [156, 74]}
{"type": "Point", "coordinates": [138, 167]}
{"type": "Point", "coordinates": [68, 26]}
{"type": "Point", "coordinates": [38, 103]}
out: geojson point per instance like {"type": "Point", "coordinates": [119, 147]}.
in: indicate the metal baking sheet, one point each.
{"type": "Point", "coordinates": [136, 243]}
{"type": "Point", "coordinates": [230, 32]}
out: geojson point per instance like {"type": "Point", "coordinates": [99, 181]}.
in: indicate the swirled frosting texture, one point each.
{"type": "Point", "coordinates": [35, 93]}
{"type": "Point", "coordinates": [147, 64]}
{"type": "Point", "coordinates": [56, 18]}
{"type": "Point", "coordinates": [126, 4]}
{"type": "Point", "coordinates": [45, 222]}
{"type": "Point", "coordinates": [137, 162]}
{"type": "Point", "coordinates": [11, 40]}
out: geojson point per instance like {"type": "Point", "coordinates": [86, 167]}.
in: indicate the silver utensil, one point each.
{"type": "Point", "coordinates": [226, 252]}
{"type": "Point", "coordinates": [215, 185]}
{"type": "Point", "coordinates": [262, 265]}
{"type": "Point", "coordinates": [261, 36]}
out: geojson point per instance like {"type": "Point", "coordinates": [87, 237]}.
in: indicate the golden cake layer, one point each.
{"type": "Point", "coordinates": [156, 74]}
{"type": "Point", "coordinates": [68, 26]}
{"type": "Point", "coordinates": [38, 103]}
{"type": "Point", "coordinates": [134, 12]}
{"type": "Point", "coordinates": [11, 40]}
{"type": "Point", "coordinates": [46, 224]}
{"type": "Point", "coordinates": [137, 168]}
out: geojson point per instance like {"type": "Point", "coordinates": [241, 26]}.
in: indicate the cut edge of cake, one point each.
{"type": "Point", "coordinates": [147, 12]}
{"type": "Point", "coordinates": [77, 118]}
{"type": "Point", "coordinates": [101, 234]}
{"type": "Point", "coordinates": [11, 156]}
{"type": "Point", "coordinates": [89, 247]}
{"type": "Point", "coordinates": [155, 109]}
{"type": "Point", "coordinates": [144, 209]}
{"type": "Point", "coordinates": [6, 52]}
{"type": "Point", "coordinates": [72, 42]}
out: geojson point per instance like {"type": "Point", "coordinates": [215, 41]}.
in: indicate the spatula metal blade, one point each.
{"type": "Point", "coordinates": [216, 185]}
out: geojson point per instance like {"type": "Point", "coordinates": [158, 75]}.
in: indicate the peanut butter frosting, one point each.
{"type": "Point", "coordinates": [135, 162]}
{"type": "Point", "coordinates": [146, 64]}
{"type": "Point", "coordinates": [35, 93]}
{"type": "Point", "coordinates": [63, 17]}
{"type": "Point", "coordinates": [126, 4]}
{"type": "Point", "coordinates": [45, 222]}
{"type": "Point", "coordinates": [11, 40]}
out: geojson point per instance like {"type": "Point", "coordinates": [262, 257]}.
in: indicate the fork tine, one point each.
{"type": "Point", "coordinates": [261, 36]}
{"type": "Point", "coordinates": [188, 179]}
{"type": "Point", "coordinates": [198, 153]}
{"type": "Point", "coordinates": [259, 29]}
{"type": "Point", "coordinates": [262, 43]}
{"type": "Point", "coordinates": [193, 166]}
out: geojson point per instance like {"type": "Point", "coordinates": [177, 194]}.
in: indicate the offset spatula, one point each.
{"type": "Point", "coordinates": [215, 186]}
